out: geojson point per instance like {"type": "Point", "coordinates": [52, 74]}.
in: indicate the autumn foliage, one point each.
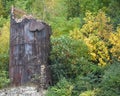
{"type": "Point", "coordinates": [85, 53]}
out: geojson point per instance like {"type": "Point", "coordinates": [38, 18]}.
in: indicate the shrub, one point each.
{"type": "Point", "coordinates": [89, 81]}
{"type": "Point", "coordinates": [69, 57]}
{"type": "Point", "coordinates": [95, 32]}
{"type": "Point", "coordinates": [115, 42]}
{"type": "Point", "coordinates": [62, 88]}
{"type": "Point", "coordinates": [4, 79]}
{"type": "Point", "coordinates": [110, 84]}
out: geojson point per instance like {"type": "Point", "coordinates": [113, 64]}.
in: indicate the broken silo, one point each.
{"type": "Point", "coordinates": [29, 50]}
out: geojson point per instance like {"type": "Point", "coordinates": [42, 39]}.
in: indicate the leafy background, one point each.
{"type": "Point", "coordinates": [85, 55]}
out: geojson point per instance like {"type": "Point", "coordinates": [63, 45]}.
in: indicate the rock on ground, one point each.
{"type": "Point", "coordinates": [22, 91]}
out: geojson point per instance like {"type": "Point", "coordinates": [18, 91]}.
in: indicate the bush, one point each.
{"type": "Point", "coordinates": [62, 88]}
{"type": "Point", "coordinates": [115, 42]}
{"type": "Point", "coordinates": [90, 81]}
{"type": "Point", "coordinates": [95, 33]}
{"type": "Point", "coordinates": [110, 85]}
{"type": "Point", "coordinates": [69, 57]}
{"type": "Point", "coordinates": [4, 79]}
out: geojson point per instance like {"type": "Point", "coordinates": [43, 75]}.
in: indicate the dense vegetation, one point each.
{"type": "Point", "coordinates": [85, 55]}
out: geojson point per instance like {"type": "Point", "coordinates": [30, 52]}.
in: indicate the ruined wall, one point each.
{"type": "Point", "coordinates": [29, 51]}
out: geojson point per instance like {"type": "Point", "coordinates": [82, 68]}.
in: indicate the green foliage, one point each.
{"type": "Point", "coordinates": [2, 21]}
{"type": "Point", "coordinates": [4, 54]}
{"type": "Point", "coordinates": [93, 6]}
{"type": "Point", "coordinates": [2, 12]}
{"type": "Point", "coordinates": [68, 57]}
{"type": "Point", "coordinates": [79, 7]}
{"type": "Point", "coordinates": [62, 88]}
{"type": "Point", "coordinates": [5, 6]}
{"type": "Point", "coordinates": [4, 79]}
{"type": "Point", "coordinates": [78, 46]}
{"type": "Point", "coordinates": [23, 4]}
{"type": "Point", "coordinates": [73, 8]}
{"type": "Point", "coordinates": [114, 12]}
{"type": "Point", "coordinates": [111, 77]}
{"type": "Point", "coordinates": [62, 26]}
{"type": "Point", "coordinates": [89, 93]}
{"type": "Point", "coordinates": [110, 85]}
{"type": "Point", "coordinates": [55, 8]}
{"type": "Point", "coordinates": [88, 82]}
{"type": "Point", "coordinates": [39, 8]}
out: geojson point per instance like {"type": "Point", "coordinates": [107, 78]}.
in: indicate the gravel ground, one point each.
{"type": "Point", "coordinates": [21, 91]}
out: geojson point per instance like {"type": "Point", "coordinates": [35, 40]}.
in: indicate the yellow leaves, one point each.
{"type": "Point", "coordinates": [97, 24]}
{"type": "Point", "coordinates": [118, 31]}
{"type": "Point", "coordinates": [93, 55]}
{"type": "Point", "coordinates": [93, 33]}
{"type": "Point", "coordinates": [101, 62]}
{"type": "Point", "coordinates": [101, 17]}
{"type": "Point", "coordinates": [4, 38]}
{"type": "Point", "coordinates": [76, 34]}
{"type": "Point", "coordinates": [89, 92]}
{"type": "Point", "coordinates": [98, 51]}
{"type": "Point", "coordinates": [94, 25]}
{"type": "Point", "coordinates": [115, 41]}
{"type": "Point", "coordinates": [89, 16]}
{"type": "Point", "coordinates": [98, 35]}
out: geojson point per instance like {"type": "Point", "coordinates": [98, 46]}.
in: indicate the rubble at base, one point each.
{"type": "Point", "coordinates": [22, 91]}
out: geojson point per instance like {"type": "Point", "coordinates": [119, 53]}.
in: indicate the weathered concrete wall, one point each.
{"type": "Point", "coordinates": [29, 51]}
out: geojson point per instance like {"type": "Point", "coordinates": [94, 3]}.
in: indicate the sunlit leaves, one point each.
{"type": "Point", "coordinates": [4, 38]}
{"type": "Point", "coordinates": [2, 11]}
{"type": "Point", "coordinates": [4, 54]}
{"type": "Point", "coordinates": [62, 88]}
{"type": "Point", "coordinates": [4, 45]}
{"type": "Point", "coordinates": [62, 26]}
{"type": "Point", "coordinates": [115, 41]}
{"type": "Point", "coordinates": [95, 32]}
